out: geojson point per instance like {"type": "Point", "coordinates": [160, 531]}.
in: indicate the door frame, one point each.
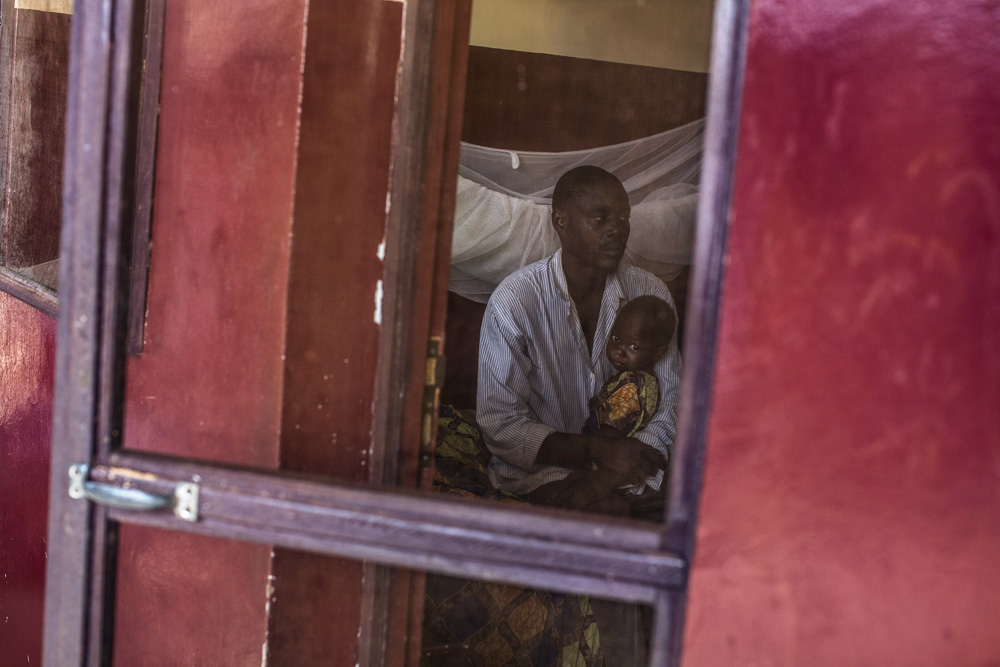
{"type": "Point", "coordinates": [388, 527]}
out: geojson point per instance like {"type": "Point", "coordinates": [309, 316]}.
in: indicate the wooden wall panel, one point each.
{"type": "Point", "coordinates": [341, 182]}
{"type": "Point", "coordinates": [852, 489]}
{"type": "Point", "coordinates": [210, 373]}
{"type": "Point", "coordinates": [187, 599]}
{"type": "Point", "coordinates": [37, 129]}
{"type": "Point", "coordinates": [334, 325]}
{"type": "Point", "coordinates": [465, 321]}
{"type": "Point", "coordinates": [27, 356]}
{"type": "Point", "coordinates": [209, 382]}
{"type": "Point", "coordinates": [539, 102]}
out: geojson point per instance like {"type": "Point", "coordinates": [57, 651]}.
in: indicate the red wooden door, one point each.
{"type": "Point", "coordinates": [246, 309]}
{"type": "Point", "coordinates": [268, 296]}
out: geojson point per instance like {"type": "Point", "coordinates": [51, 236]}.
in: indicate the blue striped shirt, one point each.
{"type": "Point", "coordinates": [536, 375]}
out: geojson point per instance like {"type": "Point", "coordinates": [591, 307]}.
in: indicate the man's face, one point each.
{"type": "Point", "coordinates": [594, 227]}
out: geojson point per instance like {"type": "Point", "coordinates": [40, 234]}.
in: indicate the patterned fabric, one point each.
{"type": "Point", "coordinates": [509, 626]}
{"type": "Point", "coordinates": [626, 403]}
{"type": "Point", "coordinates": [481, 623]}
{"type": "Point", "coordinates": [461, 458]}
{"type": "Point", "coordinates": [536, 374]}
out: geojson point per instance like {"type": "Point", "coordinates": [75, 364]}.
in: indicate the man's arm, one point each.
{"type": "Point", "coordinates": [569, 450]}
{"type": "Point", "coordinates": [510, 428]}
{"type": "Point", "coordinates": [629, 459]}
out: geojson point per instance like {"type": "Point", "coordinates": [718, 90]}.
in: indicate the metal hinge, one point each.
{"type": "Point", "coordinates": [433, 380]}
{"type": "Point", "coordinates": [183, 501]}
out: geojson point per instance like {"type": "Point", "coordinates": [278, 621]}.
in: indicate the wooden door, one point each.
{"type": "Point", "coordinates": [267, 285]}
{"type": "Point", "coordinates": [302, 181]}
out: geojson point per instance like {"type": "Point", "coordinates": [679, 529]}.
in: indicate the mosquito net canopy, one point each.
{"type": "Point", "coordinates": [502, 208]}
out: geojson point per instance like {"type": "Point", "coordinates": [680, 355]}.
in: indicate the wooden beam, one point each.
{"type": "Point", "coordinates": [523, 545]}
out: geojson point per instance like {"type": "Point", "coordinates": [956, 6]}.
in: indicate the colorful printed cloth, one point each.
{"type": "Point", "coordinates": [461, 458]}
{"type": "Point", "coordinates": [507, 626]}
{"type": "Point", "coordinates": [482, 623]}
{"type": "Point", "coordinates": [626, 403]}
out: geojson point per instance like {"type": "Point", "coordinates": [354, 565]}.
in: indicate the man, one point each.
{"type": "Point", "coordinates": [542, 357]}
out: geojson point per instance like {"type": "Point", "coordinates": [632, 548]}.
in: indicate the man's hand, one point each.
{"type": "Point", "coordinates": [630, 459]}
{"type": "Point", "coordinates": [589, 490]}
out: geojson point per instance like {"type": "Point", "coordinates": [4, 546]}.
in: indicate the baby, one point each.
{"type": "Point", "coordinates": [639, 337]}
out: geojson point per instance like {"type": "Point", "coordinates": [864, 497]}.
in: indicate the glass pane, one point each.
{"type": "Point", "coordinates": [35, 45]}
{"type": "Point", "coordinates": [186, 599]}
{"type": "Point", "coordinates": [552, 86]}
{"type": "Point", "coordinates": [264, 317]}
{"type": "Point", "coordinates": [469, 622]}
{"type": "Point", "coordinates": [190, 599]}
{"type": "Point", "coordinates": [262, 331]}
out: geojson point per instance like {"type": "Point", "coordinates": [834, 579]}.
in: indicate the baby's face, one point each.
{"type": "Point", "coordinates": [630, 346]}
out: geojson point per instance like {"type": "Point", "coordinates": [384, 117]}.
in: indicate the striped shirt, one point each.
{"type": "Point", "coordinates": [536, 375]}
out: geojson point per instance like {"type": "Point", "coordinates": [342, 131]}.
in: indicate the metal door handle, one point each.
{"type": "Point", "coordinates": [183, 501]}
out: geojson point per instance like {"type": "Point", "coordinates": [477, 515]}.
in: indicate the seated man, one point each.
{"type": "Point", "coordinates": [541, 359]}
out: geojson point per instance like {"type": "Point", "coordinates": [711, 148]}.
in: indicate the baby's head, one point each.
{"type": "Point", "coordinates": [641, 333]}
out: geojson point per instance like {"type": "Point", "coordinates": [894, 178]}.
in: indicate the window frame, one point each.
{"type": "Point", "coordinates": [564, 550]}
{"type": "Point", "coordinates": [34, 294]}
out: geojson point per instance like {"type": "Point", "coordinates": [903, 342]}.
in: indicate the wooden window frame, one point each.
{"type": "Point", "coordinates": [141, 236]}
{"type": "Point", "coordinates": [551, 549]}
{"type": "Point", "coordinates": [35, 295]}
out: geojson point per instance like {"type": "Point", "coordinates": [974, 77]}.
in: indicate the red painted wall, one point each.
{"type": "Point", "coordinates": [851, 502]}
{"type": "Point", "coordinates": [27, 355]}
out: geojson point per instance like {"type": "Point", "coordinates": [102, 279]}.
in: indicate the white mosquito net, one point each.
{"type": "Point", "coordinates": [502, 211]}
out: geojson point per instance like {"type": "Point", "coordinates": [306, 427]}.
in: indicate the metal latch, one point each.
{"type": "Point", "coordinates": [433, 379]}
{"type": "Point", "coordinates": [183, 501]}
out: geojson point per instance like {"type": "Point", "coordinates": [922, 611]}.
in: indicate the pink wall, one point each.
{"type": "Point", "coordinates": [27, 355]}
{"type": "Point", "coordinates": [851, 502]}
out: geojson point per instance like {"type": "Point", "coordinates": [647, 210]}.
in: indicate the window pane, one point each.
{"type": "Point", "coordinates": [552, 86]}
{"type": "Point", "coordinates": [183, 598]}
{"type": "Point", "coordinates": [469, 622]}
{"type": "Point", "coordinates": [232, 600]}
{"type": "Point", "coordinates": [261, 338]}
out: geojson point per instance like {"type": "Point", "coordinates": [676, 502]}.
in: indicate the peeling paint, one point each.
{"type": "Point", "coordinates": [378, 303]}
